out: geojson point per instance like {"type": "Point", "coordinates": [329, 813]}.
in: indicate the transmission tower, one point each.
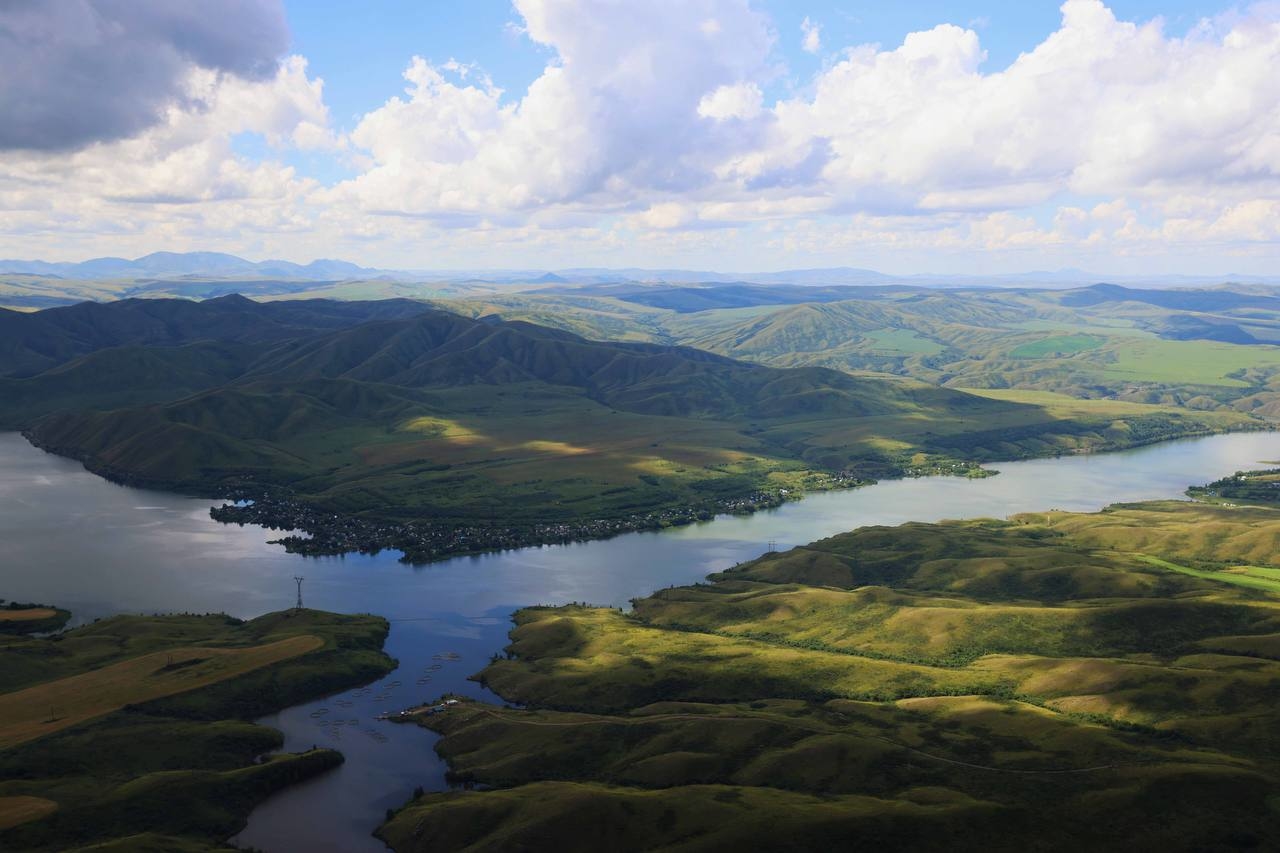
{"type": "Point", "coordinates": [299, 580]}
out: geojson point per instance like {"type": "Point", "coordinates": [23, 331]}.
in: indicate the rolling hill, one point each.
{"type": "Point", "coordinates": [396, 414]}
{"type": "Point", "coordinates": [955, 686]}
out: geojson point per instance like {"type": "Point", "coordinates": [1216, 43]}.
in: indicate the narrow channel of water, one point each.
{"type": "Point", "coordinates": [70, 538]}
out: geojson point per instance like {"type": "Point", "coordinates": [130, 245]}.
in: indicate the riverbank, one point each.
{"type": "Point", "coordinates": [329, 534]}
{"type": "Point", "coordinates": [316, 530]}
{"type": "Point", "coordinates": [149, 551]}
{"type": "Point", "coordinates": [961, 685]}
{"type": "Point", "coordinates": [332, 534]}
{"type": "Point", "coordinates": [135, 732]}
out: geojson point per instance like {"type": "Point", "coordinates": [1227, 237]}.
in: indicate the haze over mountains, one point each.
{"type": "Point", "coordinates": [201, 265]}
{"type": "Point", "coordinates": [177, 264]}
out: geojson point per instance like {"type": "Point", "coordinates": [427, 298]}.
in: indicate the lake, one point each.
{"type": "Point", "coordinates": [70, 538]}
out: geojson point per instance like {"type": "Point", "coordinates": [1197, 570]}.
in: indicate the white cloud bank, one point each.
{"type": "Point", "coordinates": [648, 136]}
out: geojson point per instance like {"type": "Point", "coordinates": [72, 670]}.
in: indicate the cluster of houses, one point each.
{"type": "Point", "coordinates": [426, 711]}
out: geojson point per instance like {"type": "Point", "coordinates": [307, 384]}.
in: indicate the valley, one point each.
{"type": "Point", "coordinates": [589, 425]}
{"type": "Point", "coordinates": [139, 550]}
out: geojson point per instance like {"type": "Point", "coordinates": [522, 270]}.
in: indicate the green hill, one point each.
{"type": "Point", "coordinates": [1055, 681]}
{"type": "Point", "coordinates": [33, 342]}
{"type": "Point", "coordinates": [1204, 349]}
{"type": "Point", "coordinates": [438, 418]}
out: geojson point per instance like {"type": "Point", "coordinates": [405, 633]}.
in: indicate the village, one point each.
{"type": "Point", "coordinates": [316, 533]}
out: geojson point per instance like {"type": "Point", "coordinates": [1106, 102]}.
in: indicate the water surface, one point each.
{"type": "Point", "coordinates": [70, 538]}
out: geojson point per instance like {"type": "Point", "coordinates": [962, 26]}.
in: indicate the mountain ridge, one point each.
{"type": "Point", "coordinates": [165, 265]}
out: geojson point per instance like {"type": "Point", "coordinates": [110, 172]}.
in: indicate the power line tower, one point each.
{"type": "Point", "coordinates": [299, 580]}
{"type": "Point", "coordinates": [773, 546]}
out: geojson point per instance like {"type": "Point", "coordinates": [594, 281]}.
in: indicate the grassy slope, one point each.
{"type": "Point", "coordinates": [179, 769]}
{"type": "Point", "coordinates": [55, 705]}
{"type": "Point", "coordinates": [1045, 682]}
{"type": "Point", "coordinates": [445, 418]}
{"type": "Point", "coordinates": [1198, 349]}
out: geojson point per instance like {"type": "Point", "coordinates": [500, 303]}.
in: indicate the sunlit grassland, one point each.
{"type": "Point", "coordinates": [133, 732]}
{"type": "Point", "coordinates": [549, 453]}
{"type": "Point", "coordinates": [1056, 346]}
{"type": "Point", "coordinates": [23, 619]}
{"type": "Point", "coordinates": [1187, 362]}
{"type": "Point", "coordinates": [1254, 577]}
{"type": "Point", "coordinates": [899, 342]}
{"type": "Point", "coordinates": [49, 707]}
{"type": "Point", "coordinates": [1067, 407]}
{"type": "Point", "coordinates": [539, 453]}
{"type": "Point", "coordinates": [29, 614]}
{"type": "Point", "coordinates": [1041, 671]}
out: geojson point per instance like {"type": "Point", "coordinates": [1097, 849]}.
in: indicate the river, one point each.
{"type": "Point", "coordinates": [70, 538]}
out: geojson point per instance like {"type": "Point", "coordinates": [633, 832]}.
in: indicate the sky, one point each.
{"type": "Point", "coordinates": [1135, 137]}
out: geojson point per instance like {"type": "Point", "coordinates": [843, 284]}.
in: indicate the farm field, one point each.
{"type": "Point", "coordinates": [28, 614]}
{"type": "Point", "coordinates": [56, 705]}
{"type": "Point", "coordinates": [1057, 347]}
{"type": "Point", "coordinates": [150, 744]}
{"type": "Point", "coordinates": [903, 677]}
{"type": "Point", "coordinates": [1189, 362]}
{"type": "Point", "coordinates": [1253, 577]}
{"type": "Point", "coordinates": [17, 618]}
{"type": "Point", "coordinates": [899, 342]}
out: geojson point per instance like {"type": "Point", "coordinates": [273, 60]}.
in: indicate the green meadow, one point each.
{"type": "Point", "coordinates": [1189, 362]}
{"type": "Point", "coordinates": [1057, 347]}
{"type": "Point", "coordinates": [900, 342]}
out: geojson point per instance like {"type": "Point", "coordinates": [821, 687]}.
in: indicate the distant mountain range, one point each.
{"type": "Point", "coordinates": [205, 265]}
{"type": "Point", "coordinates": [179, 264]}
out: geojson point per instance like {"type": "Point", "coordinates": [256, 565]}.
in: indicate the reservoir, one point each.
{"type": "Point", "coordinates": [72, 539]}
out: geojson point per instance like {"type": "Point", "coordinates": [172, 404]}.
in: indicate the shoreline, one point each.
{"type": "Point", "coordinates": [332, 534]}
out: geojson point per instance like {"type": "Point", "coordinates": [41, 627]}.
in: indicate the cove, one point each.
{"type": "Point", "coordinates": [70, 538]}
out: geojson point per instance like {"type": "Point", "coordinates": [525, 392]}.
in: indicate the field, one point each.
{"type": "Point", "coordinates": [150, 745]}
{"type": "Point", "coordinates": [899, 342]}
{"type": "Point", "coordinates": [1189, 362]}
{"type": "Point", "coordinates": [56, 705]}
{"type": "Point", "coordinates": [1067, 407]}
{"type": "Point", "coordinates": [28, 614]}
{"type": "Point", "coordinates": [1253, 577]}
{"type": "Point", "coordinates": [938, 682]}
{"type": "Point", "coordinates": [17, 810]}
{"type": "Point", "coordinates": [1056, 347]}
{"type": "Point", "coordinates": [16, 618]}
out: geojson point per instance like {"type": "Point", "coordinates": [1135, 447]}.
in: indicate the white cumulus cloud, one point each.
{"type": "Point", "coordinates": [664, 116]}
{"type": "Point", "coordinates": [810, 36]}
